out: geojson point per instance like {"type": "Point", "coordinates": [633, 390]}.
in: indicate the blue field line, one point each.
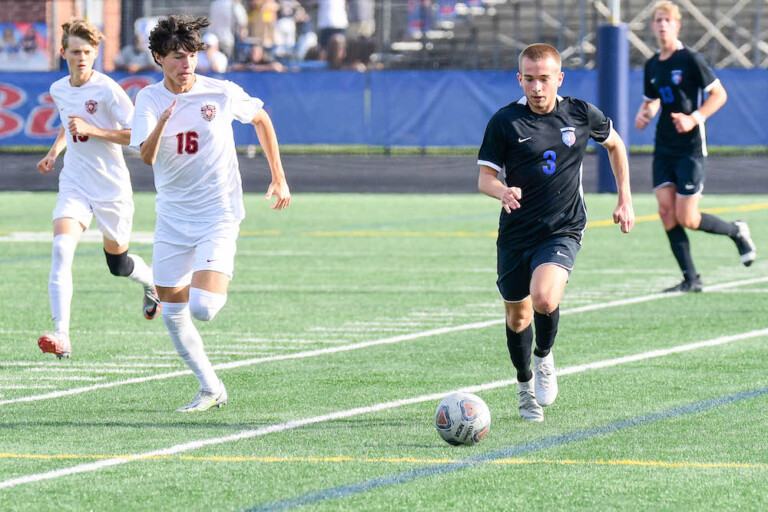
{"type": "Point", "coordinates": [510, 451]}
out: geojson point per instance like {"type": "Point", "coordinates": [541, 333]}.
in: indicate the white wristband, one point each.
{"type": "Point", "coordinates": [698, 116]}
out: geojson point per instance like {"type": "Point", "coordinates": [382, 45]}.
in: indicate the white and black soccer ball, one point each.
{"type": "Point", "coordinates": [462, 418]}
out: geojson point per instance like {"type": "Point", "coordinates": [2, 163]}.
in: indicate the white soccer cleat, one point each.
{"type": "Point", "coordinates": [56, 343]}
{"type": "Point", "coordinates": [744, 243]}
{"type": "Point", "coordinates": [529, 408]}
{"type": "Point", "coordinates": [204, 400]}
{"type": "Point", "coordinates": [546, 380]}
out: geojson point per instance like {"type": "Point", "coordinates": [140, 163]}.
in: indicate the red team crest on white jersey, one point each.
{"type": "Point", "coordinates": [208, 112]}
{"type": "Point", "coordinates": [91, 106]}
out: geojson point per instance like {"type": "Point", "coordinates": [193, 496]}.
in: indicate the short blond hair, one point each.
{"type": "Point", "coordinates": [83, 29]}
{"type": "Point", "coordinates": [538, 51]}
{"type": "Point", "coordinates": [668, 7]}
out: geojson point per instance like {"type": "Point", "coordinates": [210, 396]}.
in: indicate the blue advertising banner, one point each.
{"type": "Point", "coordinates": [386, 108]}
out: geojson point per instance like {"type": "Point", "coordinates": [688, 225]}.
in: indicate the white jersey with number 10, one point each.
{"type": "Point", "coordinates": [196, 171]}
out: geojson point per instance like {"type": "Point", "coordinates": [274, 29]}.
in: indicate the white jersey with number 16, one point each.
{"type": "Point", "coordinates": [196, 171]}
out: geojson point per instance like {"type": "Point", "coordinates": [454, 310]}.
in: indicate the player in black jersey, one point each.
{"type": "Point", "coordinates": [675, 80]}
{"type": "Point", "coordinates": [539, 143]}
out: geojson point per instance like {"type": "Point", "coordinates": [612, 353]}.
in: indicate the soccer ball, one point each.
{"type": "Point", "coordinates": [462, 418]}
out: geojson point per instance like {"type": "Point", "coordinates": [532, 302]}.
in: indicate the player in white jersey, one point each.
{"type": "Point", "coordinates": [184, 128]}
{"type": "Point", "coordinates": [97, 114]}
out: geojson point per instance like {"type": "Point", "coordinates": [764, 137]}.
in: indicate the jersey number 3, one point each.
{"type": "Point", "coordinates": [186, 143]}
{"type": "Point", "coordinates": [549, 157]}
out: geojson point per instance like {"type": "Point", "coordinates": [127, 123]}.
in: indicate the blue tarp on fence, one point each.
{"type": "Point", "coordinates": [387, 108]}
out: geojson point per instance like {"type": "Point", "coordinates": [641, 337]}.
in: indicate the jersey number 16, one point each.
{"type": "Point", "coordinates": [186, 142]}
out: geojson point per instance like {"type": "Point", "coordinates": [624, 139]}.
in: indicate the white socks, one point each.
{"type": "Point", "coordinates": [60, 280]}
{"type": "Point", "coordinates": [141, 272]}
{"type": "Point", "coordinates": [189, 344]}
{"type": "Point", "coordinates": [204, 305]}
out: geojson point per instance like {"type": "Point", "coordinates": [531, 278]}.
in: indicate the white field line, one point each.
{"type": "Point", "coordinates": [36, 386]}
{"type": "Point", "coordinates": [90, 235]}
{"type": "Point", "coordinates": [355, 346]}
{"type": "Point", "coordinates": [282, 427]}
{"type": "Point", "coordinates": [53, 369]}
{"type": "Point", "coordinates": [85, 366]}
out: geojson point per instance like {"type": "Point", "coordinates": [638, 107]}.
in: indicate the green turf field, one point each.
{"type": "Point", "coordinates": [348, 318]}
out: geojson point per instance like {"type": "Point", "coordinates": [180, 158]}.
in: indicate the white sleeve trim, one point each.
{"type": "Point", "coordinates": [710, 86]}
{"type": "Point", "coordinates": [610, 133]}
{"type": "Point", "coordinates": [489, 164]}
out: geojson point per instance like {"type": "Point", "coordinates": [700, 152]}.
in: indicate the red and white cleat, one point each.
{"type": "Point", "coordinates": [56, 343]}
{"type": "Point", "coordinates": [152, 304]}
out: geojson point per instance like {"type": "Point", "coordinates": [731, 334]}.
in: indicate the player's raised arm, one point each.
{"type": "Point", "coordinates": [265, 132]}
{"type": "Point", "coordinates": [624, 213]}
{"type": "Point", "coordinates": [45, 165]}
{"type": "Point", "coordinates": [488, 183]}
{"type": "Point", "coordinates": [150, 147]}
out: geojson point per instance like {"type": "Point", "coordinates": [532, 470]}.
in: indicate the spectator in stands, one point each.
{"type": "Point", "coordinates": [331, 20]}
{"type": "Point", "coordinates": [229, 22]}
{"type": "Point", "coordinates": [212, 59]}
{"type": "Point", "coordinates": [361, 22]}
{"type": "Point", "coordinates": [336, 51]}
{"type": "Point", "coordinates": [258, 60]}
{"type": "Point", "coordinates": [359, 53]}
{"type": "Point", "coordinates": [135, 58]}
{"type": "Point", "coordinates": [29, 41]}
{"type": "Point", "coordinates": [261, 21]}
{"type": "Point", "coordinates": [11, 47]}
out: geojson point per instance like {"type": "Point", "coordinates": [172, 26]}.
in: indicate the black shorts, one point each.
{"type": "Point", "coordinates": [515, 266]}
{"type": "Point", "coordinates": [686, 172]}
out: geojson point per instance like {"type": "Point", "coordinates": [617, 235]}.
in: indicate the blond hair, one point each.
{"type": "Point", "coordinates": [539, 51]}
{"type": "Point", "coordinates": [83, 29]}
{"type": "Point", "coordinates": [668, 7]}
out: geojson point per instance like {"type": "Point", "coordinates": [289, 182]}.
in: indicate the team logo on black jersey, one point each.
{"type": "Point", "coordinates": [208, 112]}
{"type": "Point", "coordinates": [569, 135]}
{"type": "Point", "coordinates": [91, 106]}
{"type": "Point", "coordinates": [677, 76]}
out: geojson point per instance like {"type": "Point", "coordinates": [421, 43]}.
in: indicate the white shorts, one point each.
{"type": "Point", "coordinates": [115, 218]}
{"type": "Point", "coordinates": [182, 248]}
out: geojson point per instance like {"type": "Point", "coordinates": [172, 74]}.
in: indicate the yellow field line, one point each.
{"type": "Point", "coordinates": [409, 460]}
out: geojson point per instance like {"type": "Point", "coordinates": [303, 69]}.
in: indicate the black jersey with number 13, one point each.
{"type": "Point", "coordinates": [679, 82]}
{"type": "Point", "coordinates": [542, 155]}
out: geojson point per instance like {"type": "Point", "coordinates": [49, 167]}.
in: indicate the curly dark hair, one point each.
{"type": "Point", "coordinates": [177, 32]}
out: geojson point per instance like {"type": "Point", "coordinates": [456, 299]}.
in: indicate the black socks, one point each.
{"type": "Point", "coordinates": [519, 345]}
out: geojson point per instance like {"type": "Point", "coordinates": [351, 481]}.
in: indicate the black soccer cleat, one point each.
{"type": "Point", "coordinates": [744, 243]}
{"type": "Point", "coordinates": [688, 285]}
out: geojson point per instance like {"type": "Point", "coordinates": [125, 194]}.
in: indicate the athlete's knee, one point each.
{"type": "Point", "coordinates": [204, 305]}
{"type": "Point", "coordinates": [689, 220]}
{"type": "Point", "coordinates": [119, 264]}
{"type": "Point", "coordinates": [518, 320]}
{"type": "Point", "coordinates": [544, 302]}
{"type": "Point", "coordinates": [63, 250]}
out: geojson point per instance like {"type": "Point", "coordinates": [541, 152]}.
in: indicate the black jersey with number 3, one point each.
{"type": "Point", "coordinates": [679, 82]}
{"type": "Point", "coordinates": [542, 155]}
